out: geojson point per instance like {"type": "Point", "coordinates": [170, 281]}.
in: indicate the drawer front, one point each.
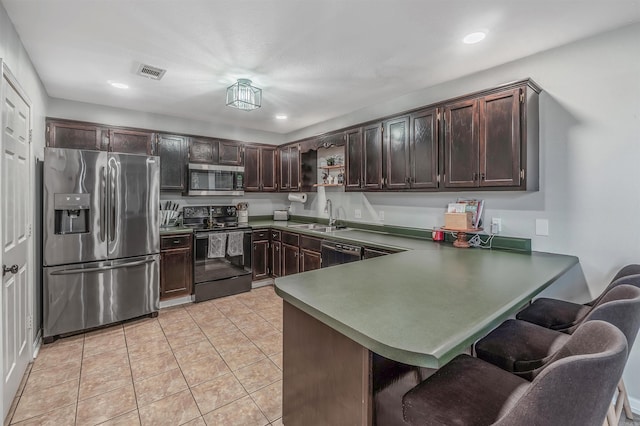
{"type": "Point", "coordinates": [290, 238]}
{"type": "Point", "coordinates": [310, 243]}
{"type": "Point", "coordinates": [260, 235]}
{"type": "Point", "coordinates": [275, 235]}
{"type": "Point", "coordinates": [175, 241]}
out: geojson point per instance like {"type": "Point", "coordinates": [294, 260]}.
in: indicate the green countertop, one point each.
{"type": "Point", "coordinates": [424, 306]}
{"type": "Point", "coordinates": [171, 230]}
{"type": "Point", "coordinates": [368, 238]}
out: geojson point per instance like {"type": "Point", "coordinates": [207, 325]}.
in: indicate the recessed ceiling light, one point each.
{"type": "Point", "coordinates": [118, 85]}
{"type": "Point", "coordinates": [474, 37]}
{"type": "Point", "coordinates": [281, 117]}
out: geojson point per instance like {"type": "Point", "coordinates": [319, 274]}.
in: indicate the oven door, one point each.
{"type": "Point", "coordinates": [205, 179]}
{"type": "Point", "coordinates": [212, 269]}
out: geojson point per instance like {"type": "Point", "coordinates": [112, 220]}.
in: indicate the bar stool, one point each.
{"type": "Point", "coordinates": [523, 348]}
{"type": "Point", "coordinates": [573, 388]}
{"type": "Point", "coordinates": [559, 314]}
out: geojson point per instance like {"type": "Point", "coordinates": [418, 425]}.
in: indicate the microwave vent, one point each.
{"type": "Point", "coordinates": [152, 72]}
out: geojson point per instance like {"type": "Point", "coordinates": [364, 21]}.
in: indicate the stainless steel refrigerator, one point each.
{"type": "Point", "coordinates": [101, 239]}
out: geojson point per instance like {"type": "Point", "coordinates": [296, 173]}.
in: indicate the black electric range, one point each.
{"type": "Point", "coordinates": [222, 251]}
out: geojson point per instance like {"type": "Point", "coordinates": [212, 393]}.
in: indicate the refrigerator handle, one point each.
{"type": "Point", "coordinates": [102, 268]}
{"type": "Point", "coordinates": [103, 203]}
{"type": "Point", "coordinates": [112, 203]}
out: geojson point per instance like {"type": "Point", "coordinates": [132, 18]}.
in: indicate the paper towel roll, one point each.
{"type": "Point", "coordinates": [300, 198]}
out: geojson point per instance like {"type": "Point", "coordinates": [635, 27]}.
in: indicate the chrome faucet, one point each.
{"type": "Point", "coordinates": [328, 208]}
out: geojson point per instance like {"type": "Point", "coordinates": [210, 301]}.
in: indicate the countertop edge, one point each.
{"type": "Point", "coordinates": [440, 356]}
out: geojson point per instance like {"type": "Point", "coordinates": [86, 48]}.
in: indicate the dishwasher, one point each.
{"type": "Point", "coordinates": [334, 253]}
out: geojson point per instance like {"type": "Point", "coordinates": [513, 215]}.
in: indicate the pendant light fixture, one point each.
{"type": "Point", "coordinates": [244, 96]}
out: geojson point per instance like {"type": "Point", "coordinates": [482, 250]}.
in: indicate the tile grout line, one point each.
{"type": "Point", "coordinates": [133, 385]}
{"type": "Point", "coordinates": [180, 367]}
{"type": "Point", "coordinates": [75, 419]}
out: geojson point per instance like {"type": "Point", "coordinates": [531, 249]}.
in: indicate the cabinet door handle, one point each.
{"type": "Point", "coordinates": [482, 176]}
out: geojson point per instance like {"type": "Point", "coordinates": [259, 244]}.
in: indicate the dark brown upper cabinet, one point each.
{"type": "Point", "coordinates": [500, 139]}
{"type": "Point", "coordinates": [461, 139]}
{"type": "Point", "coordinates": [81, 135]}
{"type": "Point", "coordinates": [203, 150]}
{"type": "Point", "coordinates": [372, 157]}
{"type": "Point", "coordinates": [230, 152]}
{"type": "Point", "coordinates": [76, 135]}
{"type": "Point", "coordinates": [411, 151]}
{"type": "Point", "coordinates": [131, 141]}
{"type": "Point", "coordinates": [491, 141]}
{"type": "Point", "coordinates": [423, 153]}
{"type": "Point", "coordinates": [397, 161]}
{"type": "Point", "coordinates": [259, 168]}
{"type": "Point", "coordinates": [172, 150]}
{"type": "Point", "coordinates": [353, 160]}
{"type": "Point", "coordinates": [289, 166]}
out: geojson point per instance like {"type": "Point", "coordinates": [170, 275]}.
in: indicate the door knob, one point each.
{"type": "Point", "coordinates": [13, 269]}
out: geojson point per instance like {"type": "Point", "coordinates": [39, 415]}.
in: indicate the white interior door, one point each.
{"type": "Point", "coordinates": [15, 235]}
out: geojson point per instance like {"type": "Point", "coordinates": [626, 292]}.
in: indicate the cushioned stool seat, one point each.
{"type": "Point", "coordinates": [466, 391]}
{"type": "Point", "coordinates": [574, 388]}
{"type": "Point", "coordinates": [554, 314]}
{"type": "Point", "coordinates": [519, 346]}
{"type": "Point", "coordinates": [560, 315]}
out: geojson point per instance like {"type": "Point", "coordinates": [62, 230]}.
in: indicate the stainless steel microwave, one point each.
{"type": "Point", "coordinates": [208, 179]}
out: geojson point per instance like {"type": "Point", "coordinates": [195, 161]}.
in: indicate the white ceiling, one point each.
{"type": "Point", "coordinates": [314, 60]}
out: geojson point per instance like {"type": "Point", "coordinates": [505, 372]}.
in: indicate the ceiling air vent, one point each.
{"type": "Point", "coordinates": [151, 72]}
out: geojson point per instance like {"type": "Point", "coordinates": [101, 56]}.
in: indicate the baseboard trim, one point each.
{"type": "Point", "coordinates": [176, 301]}
{"type": "Point", "coordinates": [635, 405]}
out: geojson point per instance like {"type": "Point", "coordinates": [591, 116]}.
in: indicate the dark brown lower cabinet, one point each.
{"type": "Point", "coordinates": [176, 266]}
{"type": "Point", "coordinates": [276, 259]}
{"type": "Point", "coordinates": [309, 260]}
{"type": "Point", "coordinates": [290, 260]}
{"type": "Point", "coordinates": [260, 259]}
{"type": "Point", "coordinates": [310, 257]}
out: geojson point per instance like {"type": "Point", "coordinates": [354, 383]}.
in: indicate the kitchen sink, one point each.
{"type": "Point", "coordinates": [318, 227]}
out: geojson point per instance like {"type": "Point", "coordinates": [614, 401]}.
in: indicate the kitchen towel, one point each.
{"type": "Point", "coordinates": [234, 248]}
{"type": "Point", "coordinates": [217, 243]}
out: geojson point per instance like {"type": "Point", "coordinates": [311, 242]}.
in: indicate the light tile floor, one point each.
{"type": "Point", "coordinates": [216, 363]}
{"type": "Point", "coordinates": [213, 363]}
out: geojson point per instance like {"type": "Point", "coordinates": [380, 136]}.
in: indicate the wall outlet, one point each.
{"type": "Point", "coordinates": [542, 227]}
{"type": "Point", "coordinates": [381, 215]}
{"type": "Point", "coordinates": [496, 225]}
{"type": "Point", "coordinates": [357, 214]}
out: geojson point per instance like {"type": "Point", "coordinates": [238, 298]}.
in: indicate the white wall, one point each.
{"type": "Point", "coordinates": [72, 110]}
{"type": "Point", "coordinates": [15, 57]}
{"type": "Point", "coordinates": [589, 160]}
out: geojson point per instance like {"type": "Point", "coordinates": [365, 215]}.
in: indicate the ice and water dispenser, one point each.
{"type": "Point", "coordinates": [71, 213]}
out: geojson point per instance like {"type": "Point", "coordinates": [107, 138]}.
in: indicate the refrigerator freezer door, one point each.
{"type": "Point", "coordinates": [134, 197]}
{"type": "Point", "coordinates": [77, 297]}
{"type": "Point", "coordinates": [71, 173]}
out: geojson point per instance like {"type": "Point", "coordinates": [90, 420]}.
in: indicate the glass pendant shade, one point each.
{"type": "Point", "coordinates": [244, 96]}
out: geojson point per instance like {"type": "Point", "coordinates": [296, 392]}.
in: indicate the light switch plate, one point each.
{"type": "Point", "coordinates": [542, 227]}
{"type": "Point", "coordinates": [357, 214]}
